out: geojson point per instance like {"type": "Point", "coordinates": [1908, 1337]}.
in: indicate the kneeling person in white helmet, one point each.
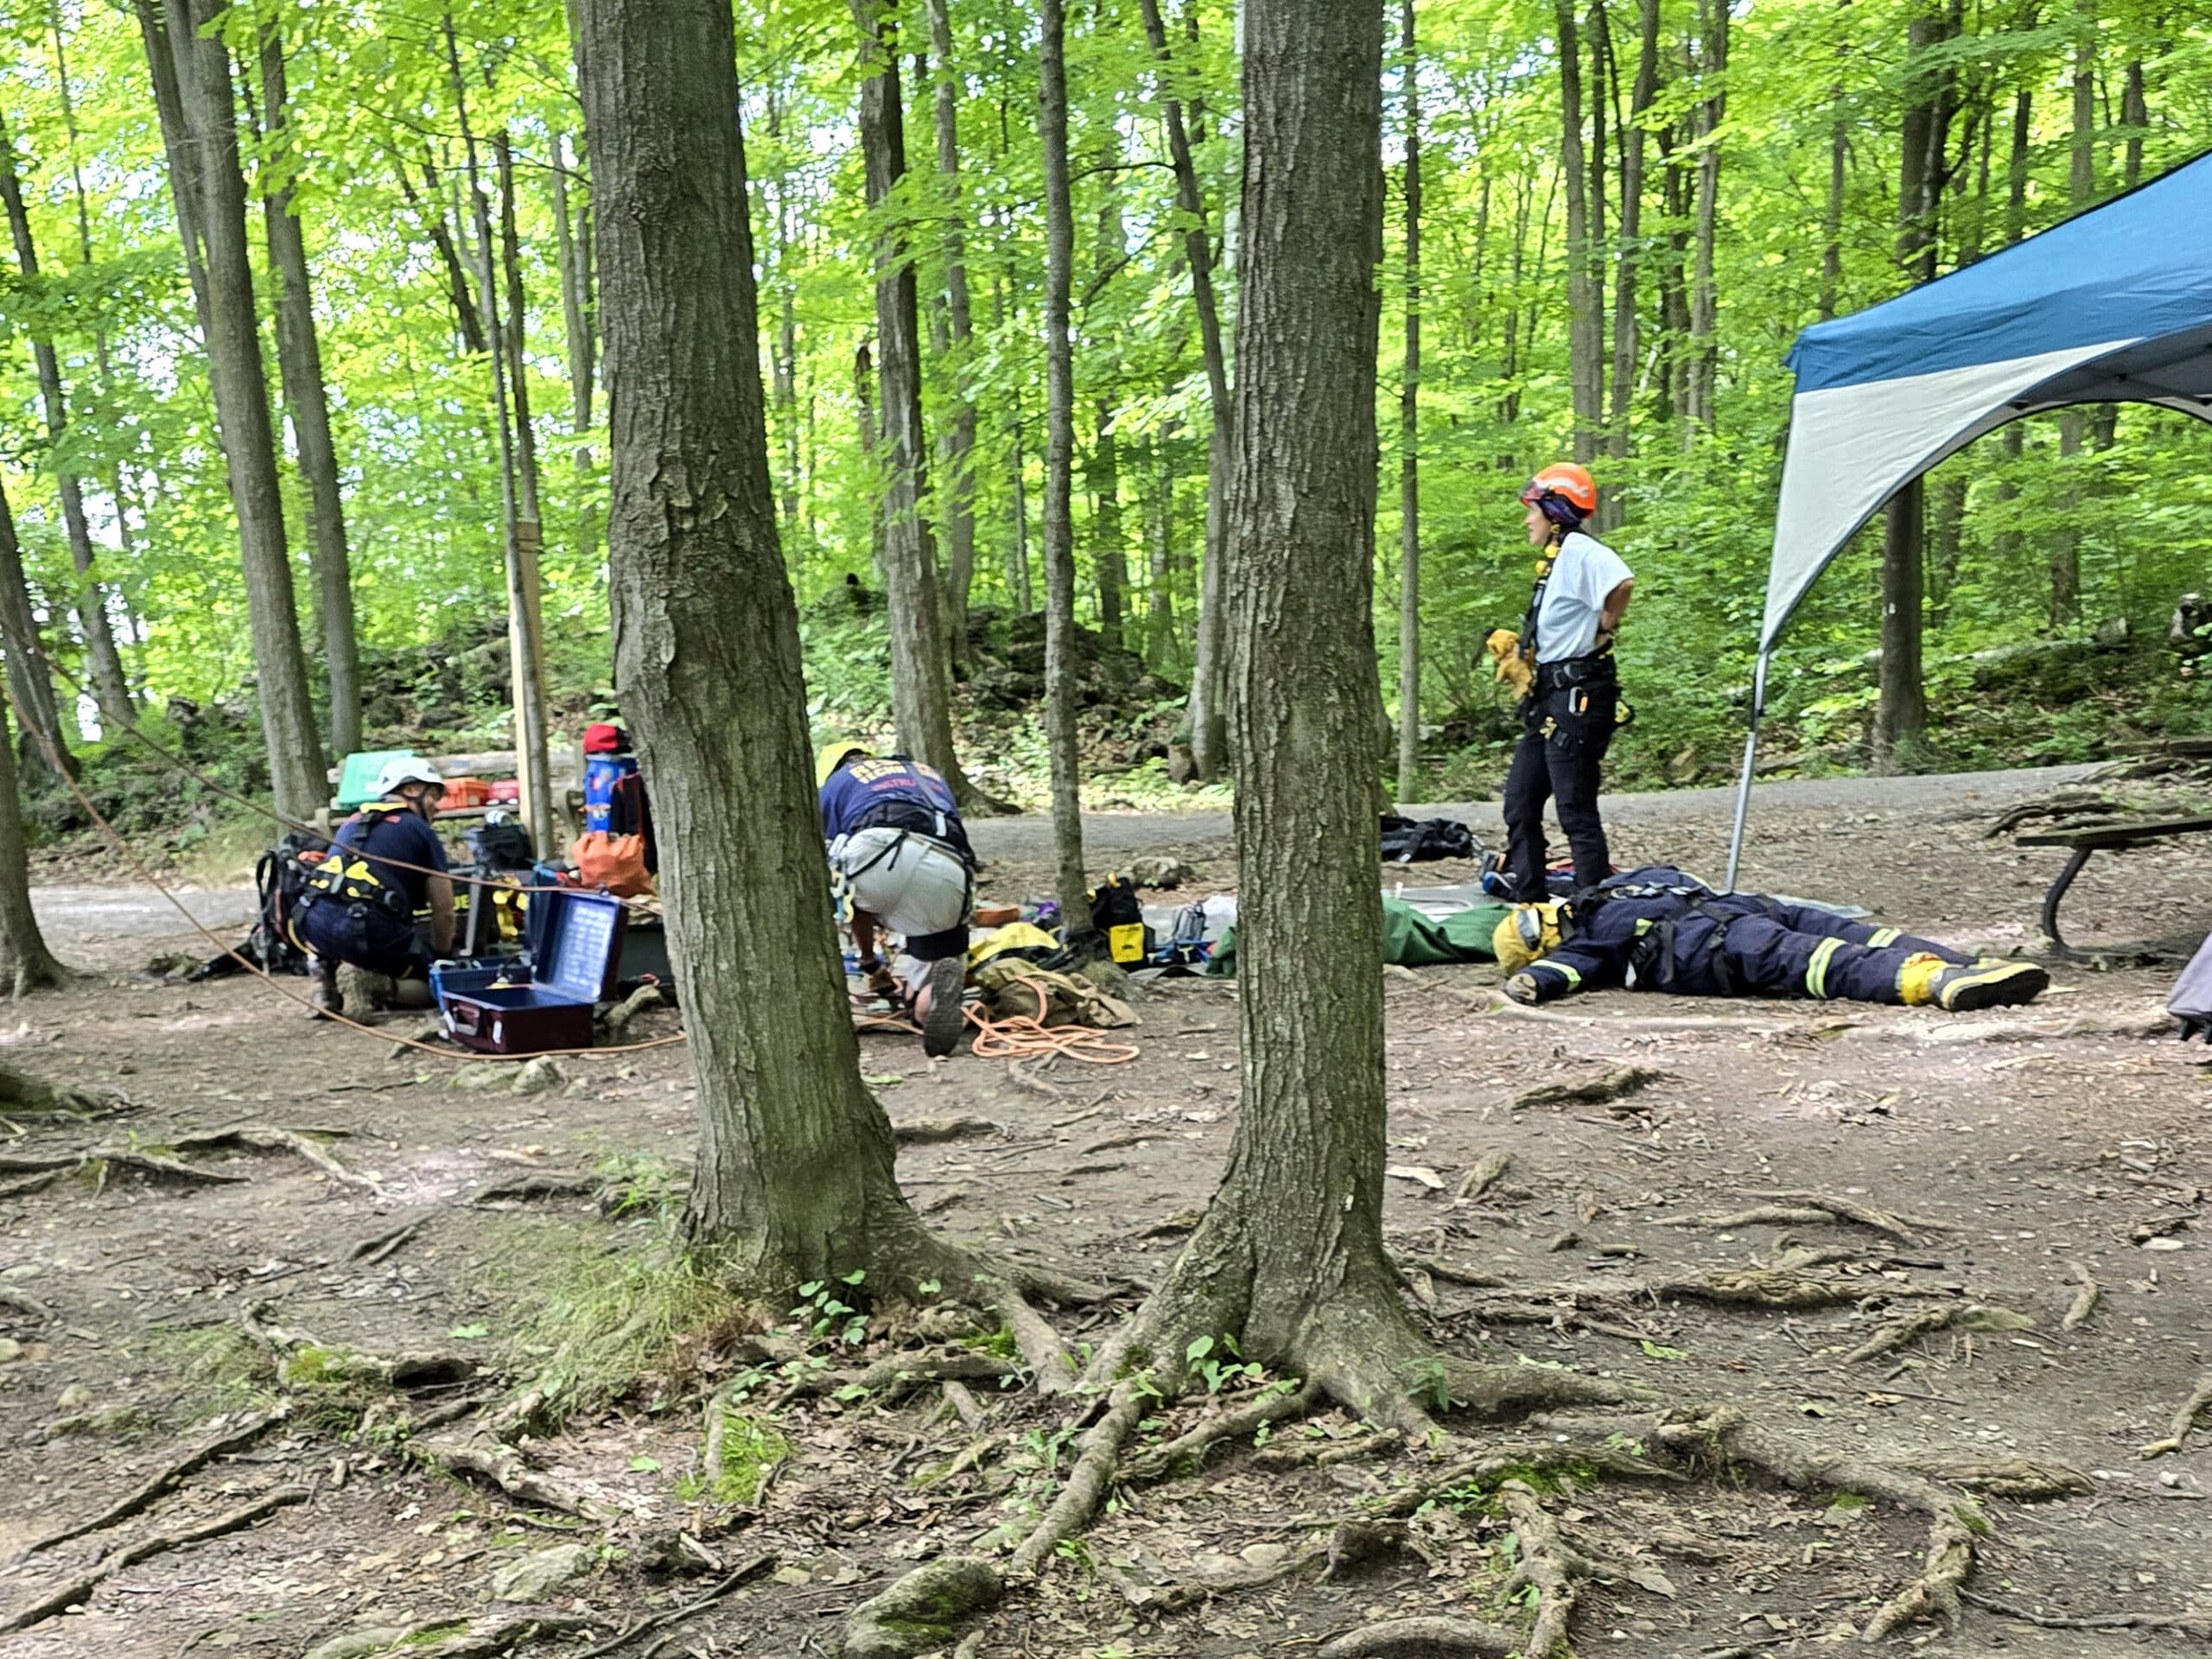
{"type": "Point", "coordinates": [898, 847]}
{"type": "Point", "coordinates": [1657, 928]}
{"type": "Point", "coordinates": [384, 864]}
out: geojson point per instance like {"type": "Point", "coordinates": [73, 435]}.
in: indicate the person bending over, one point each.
{"type": "Point", "coordinates": [1657, 928]}
{"type": "Point", "coordinates": [359, 905]}
{"type": "Point", "coordinates": [901, 853]}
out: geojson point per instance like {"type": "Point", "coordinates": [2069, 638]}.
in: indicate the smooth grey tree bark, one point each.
{"type": "Point", "coordinates": [307, 404]}
{"type": "Point", "coordinates": [110, 687]}
{"type": "Point", "coordinates": [29, 685]}
{"type": "Point", "coordinates": [957, 443]}
{"type": "Point", "coordinates": [25, 963]}
{"type": "Point", "coordinates": [574, 248]}
{"type": "Point", "coordinates": [208, 146]}
{"type": "Point", "coordinates": [1584, 327]}
{"type": "Point", "coordinates": [1627, 340]}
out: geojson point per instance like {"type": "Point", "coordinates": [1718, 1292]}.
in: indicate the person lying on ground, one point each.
{"type": "Point", "coordinates": [902, 858]}
{"type": "Point", "coordinates": [1657, 928]}
{"type": "Point", "coordinates": [360, 903]}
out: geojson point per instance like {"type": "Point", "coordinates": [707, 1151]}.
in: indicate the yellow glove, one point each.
{"type": "Point", "coordinates": [1513, 667]}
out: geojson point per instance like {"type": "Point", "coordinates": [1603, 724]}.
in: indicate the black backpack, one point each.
{"type": "Point", "coordinates": [1405, 842]}
{"type": "Point", "coordinates": [280, 876]}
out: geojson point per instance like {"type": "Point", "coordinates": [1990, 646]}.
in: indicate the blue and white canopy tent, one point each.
{"type": "Point", "coordinates": [2112, 306]}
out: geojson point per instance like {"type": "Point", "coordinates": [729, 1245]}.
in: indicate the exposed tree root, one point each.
{"type": "Point", "coordinates": [721, 1586]}
{"type": "Point", "coordinates": [1052, 1368]}
{"type": "Point", "coordinates": [928, 1131]}
{"type": "Point", "coordinates": [21, 1092]}
{"type": "Point", "coordinates": [452, 1638]}
{"type": "Point", "coordinates": [1955, 1518]}
{"type": "Point", "coordinates": [503, 1466]}
{"type": "Point", "coordinates": [619, 1016]}
{"type": "Point", "coordinates": [2198, 1624]}
{"type": "Point", "coordinates": [1185, 1593]}
{"type": "Point", "coordinates": [1424, 1638]}
{"type": "Point", "coordinates": [1521, 1456]}
{"type": "Point", "coordinates": [103, 1159]}
{"type": "Point", "coordinates": [1188, 1449]}
{"type": "Point", "coordinates": [2085, 1299]}
{"type": "Point", "coordinates": [1448, 1272]}
{"type": "Point", "coordinates": [1902, 1228]}
{"type": "Point", "coordinates": [1022, 1079]}
{"type": "Point", "coordinates": [1960, 1316]}
{"type": "Point", "coordinates": [144, 1496]}
{"type": "Point", "coordinates": [1766, 1215]}
{"type": "Point", "coordinates": [920, 1612]}
{"type": "Point", "coordinates": [1084, 1490]}
{"type": "Point", "coordinates": [1498, 1002]}
{"type": "Point", "coordinates": [538, 1184]}
{"type": "Point", "coordinates": [1549, 1565]}
{"type": "Point", "coordinates": [1613, 1086]}
{"type": "Point", "coordinates": [894, 1376]}
{"type": "Point", "coordinates": [30, 1183]}
{"type": "Point", "coordinates": [1485, 1175]}
{"type": "Point", "coordinates": [80, 1588]}
{"type": "Point", "coordinates": [1739, 1288]}
{"type": "Point", "coordinates": [371, 1250]}
{"type": "Point", "coordinates": [268, 1137]}
{"type": "Point", "coordinates": [2021, 1479]}
{"type": "Point", "coordinates": [2184, 1420]}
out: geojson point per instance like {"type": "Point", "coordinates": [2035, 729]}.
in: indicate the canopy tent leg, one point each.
{"type": "Point", "coordinates": [1750, 754]}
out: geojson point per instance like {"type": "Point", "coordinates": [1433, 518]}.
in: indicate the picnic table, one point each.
{"type": "Point", "coordinates": [2096, 838]}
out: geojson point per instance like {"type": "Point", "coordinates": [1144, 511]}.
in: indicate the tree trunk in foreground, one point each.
{"type": "Point", "coordinates": [1289, 1258]}
{"type": "Point", "coordinates": [1409, 436]}
{"type": "Point", "coordinates": [26, 964]}
{"type": "Point", "coordinates": [299, 356]}
{"type": "Point", "coordinates": [234, 363]}
{"type": "Point", "coordinates": [921, 693]}
{"type": "Point", "coordinates": [1061, 661]}
{"type": "Point", "coordinates": [28, 682]}
{"type": "Point", "coordinates": [794, 1177]}
{"type": "Point", "coordinates": [110, 687]}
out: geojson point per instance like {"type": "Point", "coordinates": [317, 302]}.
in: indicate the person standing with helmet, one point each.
{"type": "Point", "coordinates": [1573, 704]}
{"type": "Point", "coordinates": [385, 863]}
{"type": "Point", "coordinates": [902, 855]}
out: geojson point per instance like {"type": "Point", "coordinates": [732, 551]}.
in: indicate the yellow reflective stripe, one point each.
{"type": "Point", "coordinates": [1816, 970]}
{"type": "Point", "coordinates": [1883, 936]}
{"type": "Point", "coordinates": [1573, 980]}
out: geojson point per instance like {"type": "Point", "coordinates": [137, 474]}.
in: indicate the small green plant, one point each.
{"type": "Point", "coordinates": [826, 1316]}
{"type": "Point", "coordinates": [1219, 1374]}
{"type": "Point", "coordinates": [743, 1454]}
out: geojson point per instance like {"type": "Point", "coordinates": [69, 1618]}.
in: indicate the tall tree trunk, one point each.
{"type": "Point", "coordinates": [573, 250]}
{"type": "Point", "coordinates": [1208, 716]}
{"type": "Point", "coordinates": [1160, 653]}
{"type": "Point", "coordinates": [1832, 219]}
{"type": "Point", "coordinates": [1901, 714]}
{"type": "Point", "coordinates": [2008, 541]}
{"type": "Point", "coordinates": [209, 140]}
{"type": "Point", "coordinates": [2135, 116]}
{"type": "Point", "coordinates": [525, 636]}
{"type": "Point", "coordinates": [468, 323]}
{"type": "Point", "coordinates": [1626, 340]}
{"type": "Point", "coordinates": [1109, 554]}
{"type": "Point", "coordinates": [110, 688]}
{"type": "Point", "coordinates": [516, 328]}
{"type": "Point", "coordinates": [1409, 430]}
{"type": "Point", "coordinates": [1704, 320]}
{"type": "Point", "coordinates": [921, 696]}
{"type": "Point", "coordinates": [955, 446]}
{"type": "Point", "coordinates": [176, 148]}
{"type": "Point", "coordinates": [25, 963]}
{"type": "Point", "coordinates": [1289, 1259]}
{"type": "Point", "coordinates": [1060, 660]}
{"type": "Point", "coordinates": [2065, 547]}
{"type": "Point", "coordinates": [795, 1179]}
{"type": "Point", "coordinates": [871, 450]}
{"type": "Point", "coordinates": [1584, 330]}
{"type": "Point", "coordinates": [29, 685]}
{"type": "Point", "coordinates": [299, 359]}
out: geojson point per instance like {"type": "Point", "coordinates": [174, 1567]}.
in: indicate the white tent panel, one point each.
{"type": "Point", "coordinates": [1852, 447]}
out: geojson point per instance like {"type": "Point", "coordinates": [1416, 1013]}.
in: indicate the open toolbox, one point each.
{"type": "Point", "coordinates": [543, 1001]}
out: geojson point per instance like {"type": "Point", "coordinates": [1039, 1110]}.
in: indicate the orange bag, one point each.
{"type": "Point", "coordinates": [614, 862]}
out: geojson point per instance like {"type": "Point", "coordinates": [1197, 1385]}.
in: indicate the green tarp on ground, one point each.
{"type": "Point", "coordinates": [1411, 938]}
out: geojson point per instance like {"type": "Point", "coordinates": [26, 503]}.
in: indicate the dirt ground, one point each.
{"type": "Point", "coordinates": [2027, 1155]}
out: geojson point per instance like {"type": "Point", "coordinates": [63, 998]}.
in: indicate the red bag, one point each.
{"type": "Point", "coordinates": [614, 862]}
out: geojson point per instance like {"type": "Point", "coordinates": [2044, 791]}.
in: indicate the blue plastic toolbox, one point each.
{"type": "Point", "coordinates": [545, 1002]}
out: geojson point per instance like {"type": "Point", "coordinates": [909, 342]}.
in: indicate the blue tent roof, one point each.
{"type": "Point", "coordinates": [2137, 268]}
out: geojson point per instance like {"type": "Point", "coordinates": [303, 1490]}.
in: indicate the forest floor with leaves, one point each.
{"type": "Point", "coordinates": [272, 1309]}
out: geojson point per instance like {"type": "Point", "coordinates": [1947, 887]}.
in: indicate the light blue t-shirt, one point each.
{"type": "Point", "coordinates": [1585, 573]}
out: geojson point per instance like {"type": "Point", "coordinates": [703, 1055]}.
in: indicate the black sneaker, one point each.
{"type": "Point", "coordinates": [946, 980]}
{"type": "Point", "coordinates": [1988, 985]}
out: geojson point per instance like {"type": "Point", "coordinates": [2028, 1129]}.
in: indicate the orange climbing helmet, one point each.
{"type": "Point", "coordinates": [1566, 493]}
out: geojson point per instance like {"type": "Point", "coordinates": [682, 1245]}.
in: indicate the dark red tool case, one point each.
{"type": "Point", "coordinates": [545, 1003]}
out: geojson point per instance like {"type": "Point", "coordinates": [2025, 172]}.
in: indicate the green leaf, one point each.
{"type": "Point", "coordinates": [1659, 1350]}
{"type": "Point", "coordinates": [469, 1333]}
{"type": "Point", "coordinates": [644, 1466]}
{"type": "Point", "coordinates": [1200, 1348]}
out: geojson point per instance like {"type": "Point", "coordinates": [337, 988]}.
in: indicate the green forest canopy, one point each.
{"type": "Point", "coordinates": [1769, 140]}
